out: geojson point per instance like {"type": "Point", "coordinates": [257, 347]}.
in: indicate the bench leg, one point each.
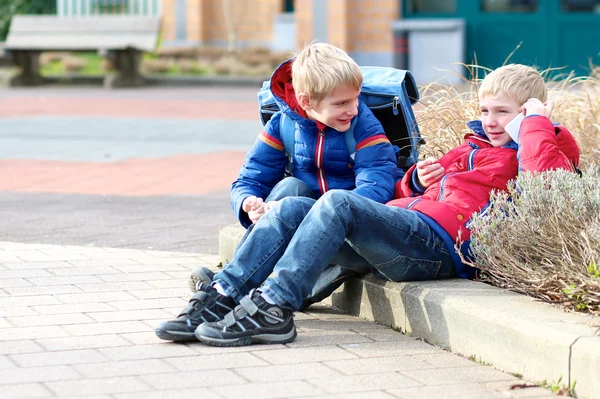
{"type": "Point", "coordinates": [127, 64]}
{"type": "Point", "coordinates": [29, 62]}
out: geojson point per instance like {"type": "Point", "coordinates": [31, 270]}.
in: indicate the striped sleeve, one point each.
{"type": "Point", "coordinates": [270, 140]}
{"type": "Point", "coordinates": [371, 141]}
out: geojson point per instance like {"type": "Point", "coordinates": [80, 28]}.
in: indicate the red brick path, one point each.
{"type": "Point", "coordinates": [185, 174]}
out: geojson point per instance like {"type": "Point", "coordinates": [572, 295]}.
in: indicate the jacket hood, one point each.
{"type": "Point", "coordinates": [282, 89]}
{"type": "Point", "coordinates": [285, 96]}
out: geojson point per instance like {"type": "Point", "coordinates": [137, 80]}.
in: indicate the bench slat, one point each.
{"type": "Point", "coordinates": [51, 23]}
{"type": "Point", "coordinates": [54, 42]}
{"type": "Point", "coordinates": [49, 32]}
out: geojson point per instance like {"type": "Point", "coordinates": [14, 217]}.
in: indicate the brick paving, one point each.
{"type": "Point", "coordinates": [77, 322]}
{"type": "Point", "coordinates": [95, 251]}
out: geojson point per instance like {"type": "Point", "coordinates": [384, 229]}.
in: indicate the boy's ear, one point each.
{"type": "Point", "coordinates": [304, 101]}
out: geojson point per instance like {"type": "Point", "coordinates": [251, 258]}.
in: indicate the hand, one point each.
{"type": "Point", "coordinates": [535, 106]}
{"type": "Point", "coordinates": [253, 206]}
{"type": "Point", "coordinates": [429, 171]}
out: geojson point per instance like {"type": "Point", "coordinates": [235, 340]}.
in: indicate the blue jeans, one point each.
{"type": "Point", "coordinates": [293, 243]}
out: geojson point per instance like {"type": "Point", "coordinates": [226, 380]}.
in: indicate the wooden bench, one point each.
{"type": "Point", "coordinates": [121, 38]}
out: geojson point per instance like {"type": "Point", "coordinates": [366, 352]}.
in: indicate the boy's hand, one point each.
{"type": "Point", "coordinates": [429, 171]}
{"type": "Point", "coordinates": [535, 106]}
{"type": "Point", "coordinates": [253, 206]}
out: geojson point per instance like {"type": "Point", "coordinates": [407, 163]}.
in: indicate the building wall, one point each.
{"type": "Point", "coordinates": [206, 24]}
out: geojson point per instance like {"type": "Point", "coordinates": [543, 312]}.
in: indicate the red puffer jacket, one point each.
{"type": "Point", "coordinates": [475, 168]}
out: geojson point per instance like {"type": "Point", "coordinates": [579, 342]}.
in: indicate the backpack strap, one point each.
{"type": "Point", "coordinates": [287, 130]}
{"type": "Point", "coordinates": [350, 140]}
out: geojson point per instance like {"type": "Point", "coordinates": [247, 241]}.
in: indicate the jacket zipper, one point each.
{"type": "Point", "coordinates": [319, 162]}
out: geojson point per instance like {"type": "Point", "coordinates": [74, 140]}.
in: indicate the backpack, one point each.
{"type": "Point", "coordinates": [388, 92]}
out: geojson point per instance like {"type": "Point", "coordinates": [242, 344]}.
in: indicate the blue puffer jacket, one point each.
{"type": "Point", "coordinates": [372, 174]}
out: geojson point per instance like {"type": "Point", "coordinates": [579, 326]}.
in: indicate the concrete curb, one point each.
{"type": "Point", "coordinates": [512, 332]}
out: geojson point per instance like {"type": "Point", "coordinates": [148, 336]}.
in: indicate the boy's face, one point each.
{"type": "Point", "coordinates": [335, 110]}
{"type": "Point", "coordinates": [496, 112]}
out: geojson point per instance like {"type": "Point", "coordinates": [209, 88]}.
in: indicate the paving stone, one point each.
{"type": "Point", "coordinates": [358, 395]}
{"type": "Point", "coordinates": [392, 348]}
{"type": "Point", "coordinates": [273, 390]}
{"type": "Point", "coordinates": [329, 338]}
{"type": "Point", "coordinates": [24, 273]}
{"type": "Point", "coordinates": [146, 337]}
{"type": "Point", "coordinates": [84, 271]}
{"type": "Point", "coordinates": [49, 290]}
{"type": "Point", "coordinates": [15, 282]}
{"type": "Point", "coordinates": [138, 276]}
{"type": "Point", "coordinates": [37, 374]}
{"type": "Point", "coordinates": [140, 304]}
{"type": "Point", "coordinates": [97, 386]}
{"type": "Point", "coordinates": [75, 280]}
{"type": "Point", "coordinates": [50, 320]}
{"type": "Point", "coordinates": [155, 351]}
{"type": "Point", "coordinates": [24, 346]}
{"type": "Point", "coordinates": [23, 333]}
{"type": "Point", "coordinates": [446, 359]}
{"type": "Point", "coordinates": [73, 308]}
{"type": "Point", "coordinates": [458, 374]}
{"type": "Point", "coordinates": [86, 342]}
{"type": "Point", "coordinates": [170, 283]}
{"type": "Point", "coordinates": [124, 368]}
{"type": "Point", "coordinates": [125, 315]}
{"type": "Point", "coordinates": [95, 297]}
{"type": "Point", "coordinates": [195, 379]}
{"type": "Point", "coordinates": [364, 382]}
{"type": "Point", "coordinates": [28, 301]}
{"type": "Point", "coordinates": [148, 268]}
{"type": "Point", "coordinates": [68, 357]}
{"type": "Point", "coordinates": [519, 389]}
{"type": "Point", "coordinates": [462, 391]}
{"type": "Point", "coordinates": [214, 362]}
{"type": "Point", "coordinates": [175, 394]}
{"type": "Point", "coordinates": [287, 372]}
{"type": "Point", "coordinates": [378, 365]}
{"type": "Point", "coordinates": [6, 363]}
{"type": "Point", "coordinates": [304, 355]}
{"type": "Point", "coordinates": [157, 293]}
{"type": "Point", "coordinates": [22, 265]}
{"type": "Point", "coordinates": [23, 391]}
{"type": "Point", "coordinates": [116, 327]}
{"type": "Point", "coordinates": [4, 323]}
{"type": "Point", "coordinates": [114, 286]}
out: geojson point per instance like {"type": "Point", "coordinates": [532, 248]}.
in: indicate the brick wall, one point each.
{"type": "Point", "coordinates": [357, 26]}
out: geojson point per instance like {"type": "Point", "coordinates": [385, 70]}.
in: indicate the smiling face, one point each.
{"type": "Point", "coordinates": [496, 112]}
{"type": "Point", "coordinates": [335, 110]}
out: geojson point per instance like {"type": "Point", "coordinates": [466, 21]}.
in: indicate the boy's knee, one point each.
{"type": "Point", "coordinates": [336, 198]}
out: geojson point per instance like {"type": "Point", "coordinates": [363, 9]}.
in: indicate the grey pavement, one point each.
{"type": "Point", "coordinates": [101, 139]}
{"type": "Point", "coordinates": [77, 322]}
{"type": "Point", "coordinates": [173, 223]}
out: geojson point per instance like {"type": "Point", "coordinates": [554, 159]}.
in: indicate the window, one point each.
{"type": "Point", "coordinates": [580, 6]}
{"type": "Point", "coordinates": [509, 5]}
{"type": "Point", "coordinates": [431, 6]}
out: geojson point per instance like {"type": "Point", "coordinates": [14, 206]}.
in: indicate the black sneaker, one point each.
{"type": "Point", "coordinates": [199, 275]}
{"type": "Point", "coordinates": [206, 305]}
{"type": "Point", "coordinates": [253, 321]}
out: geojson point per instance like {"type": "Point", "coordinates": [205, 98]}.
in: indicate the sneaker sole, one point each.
{"type": "Point", "coordinates": [175, 336]}
{"type": "Point", "coordinates": [243, 341]}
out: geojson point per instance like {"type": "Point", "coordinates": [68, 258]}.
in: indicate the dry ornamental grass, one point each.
{"type": "Point", "coordinates": [545, 240]}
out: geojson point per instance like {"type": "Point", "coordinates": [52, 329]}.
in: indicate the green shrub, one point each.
{"type": "Point", "coordinates": [543, 239]}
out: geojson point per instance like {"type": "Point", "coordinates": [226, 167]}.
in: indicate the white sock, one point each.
{"type": "Point", "coordinates": [219, 289]}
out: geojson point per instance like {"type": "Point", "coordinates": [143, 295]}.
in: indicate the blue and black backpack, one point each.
{"type": "Point", "coordinates": [388, 92]}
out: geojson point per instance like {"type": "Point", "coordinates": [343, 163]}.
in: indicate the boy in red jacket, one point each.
{"type": "Point", "coordinates": [410, 238]}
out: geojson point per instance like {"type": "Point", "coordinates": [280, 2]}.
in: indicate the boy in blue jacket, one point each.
{"type": "Point", "coordinates": [317, 92]}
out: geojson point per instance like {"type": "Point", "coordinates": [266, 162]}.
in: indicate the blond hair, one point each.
{"type": "Point", "coordinates": [320, 68]}
{"type": "Point", "coordinates": [519, 82]}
